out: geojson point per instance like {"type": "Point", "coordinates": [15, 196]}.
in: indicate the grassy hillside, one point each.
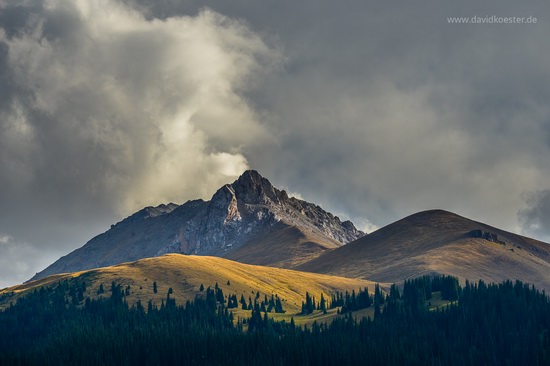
{"type": "Point", "coordinates": [284, 247]}
{"type": "Point", "coordinates": [439, 242]}
{"type": "Point", "coordinates": [184, 274]}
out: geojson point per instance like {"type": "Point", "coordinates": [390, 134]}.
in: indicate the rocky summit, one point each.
{"type": "Point", "coordinates": [252, 206]}
{"type": "Point", "coordinates": [249, 220]}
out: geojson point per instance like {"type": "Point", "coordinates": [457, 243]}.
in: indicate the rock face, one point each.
{"type": "Point", "coordinates": [241, 218]}
{"type": "Point", "coordinates": [251, 206]}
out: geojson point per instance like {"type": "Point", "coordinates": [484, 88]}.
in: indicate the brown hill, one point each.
{"type": "Point", "coordinates": [284, 246]}
{"type": "Point", "coordinates": [441, 242]}
{"type": "Point", "coordinates": [184, 274]}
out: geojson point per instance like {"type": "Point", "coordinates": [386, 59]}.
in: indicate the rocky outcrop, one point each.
{"type": "Point", "coordinates": [482, 234]}
{"type": "Point", "coordinates": [250, 206]}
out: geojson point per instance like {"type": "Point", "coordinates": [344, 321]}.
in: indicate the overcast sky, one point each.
{"type": "Point", "coordinates": [372, 109]}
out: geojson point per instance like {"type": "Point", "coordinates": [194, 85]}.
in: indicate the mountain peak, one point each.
{"type": "Point", "coordinates": [433, 215]}
{"type": "Point", "coordinates": [252, 188]}
{"type": "Point", "coordinates": [251, 175]}
{"type": "Point", "coordinates": [249, 218]}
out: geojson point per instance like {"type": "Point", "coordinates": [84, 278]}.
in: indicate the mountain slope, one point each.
{"type": "Point", "coordinates": [141, 235]}
{"type": "Point", "coordinates": [284, 247]}
{"type": "Point", "coordinates": [249, 213]}
{"type": "Point", "coordinates": [437, 241]}
{"type": "Point", "coordinates": [184, 274]}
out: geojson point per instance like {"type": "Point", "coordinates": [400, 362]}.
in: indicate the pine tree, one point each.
{"type": "Point", "coordinates": [394, 292]}
{"type": "Point", "coordinates": [219, 295]}
{"type": "Point", "coordinates": [155, 290]}
{"type": "Point", "coordinates": [378, 294]}
{"type": "Point", "coordinates": [308, 306]}
{"type": "Point", "coordinates": [233, 302]}
{"type": "Point", "coordinates": [323, 305]}
{"type": "Point", "coordinates": [278, 306]}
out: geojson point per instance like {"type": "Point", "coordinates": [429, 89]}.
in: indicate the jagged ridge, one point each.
{"type": "Point", "coordinates": [251, 205]}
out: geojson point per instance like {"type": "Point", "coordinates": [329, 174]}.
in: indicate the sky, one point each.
{"type": "Point", "coordinates": [372, 109]}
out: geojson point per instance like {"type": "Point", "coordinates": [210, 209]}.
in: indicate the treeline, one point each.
{"type": "Point", "coordinates": [504, 324]}
{"type": "Point", "coordinates": [309, 305]}
{"type": "Point", "coordinates": [265, 303]}
{"type": "Point", "coordinates": [352, 302]}
{"type": "Point", "coordinates": [271, 304]}
{"type": "Point", "coordinates": [417, 291]}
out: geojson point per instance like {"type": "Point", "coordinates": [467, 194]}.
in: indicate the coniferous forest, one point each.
{"type": "Point", "coordinates": [504, 324]}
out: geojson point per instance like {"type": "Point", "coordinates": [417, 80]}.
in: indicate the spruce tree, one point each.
{"type": "Point", "coordinates": [323, 305]}
{"type": "Point", "coordinates": [278, 306]}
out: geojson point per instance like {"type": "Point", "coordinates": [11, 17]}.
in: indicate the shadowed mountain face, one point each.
{"type": "Point", "coordinates": [439, 242]}
{"type": "Point", "coordinates": [248, 220]}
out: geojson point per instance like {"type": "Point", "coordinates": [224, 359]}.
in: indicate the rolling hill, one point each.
{"type": "Point", "coordinates": [185, 274]}
{"type": "Point", "coordinates": [442, 242]}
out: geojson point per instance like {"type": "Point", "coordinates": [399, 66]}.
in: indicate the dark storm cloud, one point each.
{"type": "Point", "coordinates": [414, 113]}
{"type": "Point", "coordinates": [372, 109]}
{"type": "Point", "coordinates": [15, 16]}
{"type": "Point", "coordinates": [104, 112]}
{"type": "Point", "coordinates": [407, 111]}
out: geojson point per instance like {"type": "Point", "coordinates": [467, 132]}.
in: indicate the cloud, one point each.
{"type": "Point", "coordinates": [385, 110]}
{"type": "Point", "coordinates": [535, 219]}
{"type": "Point", "coordinates": [4, 238]}
{"type": "Point", "coordinates": [18, 259]}
{"type": "Point", "coordinates": [129, 106]}
{"type": "Point", "coordinates": [104, 112]}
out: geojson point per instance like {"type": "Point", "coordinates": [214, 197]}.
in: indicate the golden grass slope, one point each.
{"type": "Point", "coordinates": [184, 274]}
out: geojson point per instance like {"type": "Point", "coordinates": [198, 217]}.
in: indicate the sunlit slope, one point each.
{"type": "Point", "coordinates": [184, 274]}
{"type": "Point", "coordinates": [441, 242]}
